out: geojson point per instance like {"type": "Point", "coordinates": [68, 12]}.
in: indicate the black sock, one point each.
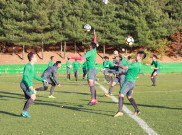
{"type": "Point", "coordinates": [42, 88]}
{"type": "Point", "coordinates": [52, 90]}
{"type": "Point", "coordinates": [110, 89]}
{"type": "Point", "coordinates": [152, 80]}
{"type": "Point", "coordinates": [93, 91]}
{"type": "Point", "coordinates": [132, 101]}
{"type": "Point", "coordinates": [27, 104]}
{"type": "Point", "coordinates": [69, 76]}
{"type": "Point", "coordinates": [121, 99]}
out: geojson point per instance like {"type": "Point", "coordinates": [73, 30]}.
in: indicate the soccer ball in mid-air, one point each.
{"type": "Point", "coordinates": [123, 49]}
{"type": "Point", "coordinates": [116, 52]}
{"type": "Point", "coordinates": [97, 45]}
{"type": "Point", "coordinates": [105, 2]}
{"type": "Point", "coordinates": [87, 27]}
{"type": "Point", "coordinates": [129, 40]}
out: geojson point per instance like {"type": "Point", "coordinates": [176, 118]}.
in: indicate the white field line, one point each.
{"type": "Point", "coordinates": [140, 121]}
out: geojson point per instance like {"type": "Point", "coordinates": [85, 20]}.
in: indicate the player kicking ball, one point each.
{"type": "Point", "coordinates": [90, 57]}
{"type": "Point", "coordinates": [50, 76]}
{"type": "Point", "coordinates": [27, 83]}
{"type": "Point", "coordinates": [129, 84]}
{"type": "Point", "coordinates": [156, 71]}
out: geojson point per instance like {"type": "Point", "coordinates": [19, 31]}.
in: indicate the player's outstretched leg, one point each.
{"type": "Point", "coordinates": [133, 103]}
{"type": "Point", "coordinates": [42, 88]}
{"type": "Point", "coordinates": [111, 88]}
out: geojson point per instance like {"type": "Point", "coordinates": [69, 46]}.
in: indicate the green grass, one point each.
{"type": "Point", "coordinates": [161, 108]}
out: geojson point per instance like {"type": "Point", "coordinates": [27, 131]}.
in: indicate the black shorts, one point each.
{"type": "Point", "coordinates": [157, 71]}
{"type": "Point", "coordinates": [26, 90]}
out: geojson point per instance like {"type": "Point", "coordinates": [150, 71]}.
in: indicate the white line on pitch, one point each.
{"type": "Point", "coordinates": [140, 121]}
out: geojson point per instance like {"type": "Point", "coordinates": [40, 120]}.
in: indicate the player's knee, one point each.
{"type": "Point", "coordinates": [33, 97]}
{"type": "Point", "coordinates": [113, 84]}
{"type": "Point", "coordinates": [129, 97]}
{"type": "Point", "coordinates": [121, 95]}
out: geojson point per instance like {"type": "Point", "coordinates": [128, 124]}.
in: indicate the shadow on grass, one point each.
{"type": "Point", "coordinates": [81, 93]}
{"type": "Point", "coordinates": [9, 113]}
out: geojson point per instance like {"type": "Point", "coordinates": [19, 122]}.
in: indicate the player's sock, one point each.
{"type": "Point", "coordinates": [51, 90]}
{"type": "Point", "coordinates": [76, 77]}
{"type": "Point", "coordinates": [152, 80]}
{"type": "Point", "coordinates": [110, 89]}
{"type": "Point", "coordinates": [132, 101]}
{"type": "Point", "coordinates": [69, 76]}
{"type": "Point", "coordinates": [27, 104]}
{"type": "Point", "coordinates": [41, 89]}
{"type": "Point", "coordinates": [107, 78]}
{"type": "Point", "coordinates": [121, 99]}
{"type": "Point", "coordinates": [93, 91]}
{"type": "Point", "coordinates": [111, 79]}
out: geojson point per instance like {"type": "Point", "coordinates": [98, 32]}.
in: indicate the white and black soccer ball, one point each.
{"type": "Point", "coordinates": [129, 40]}
{"type": "Point", "coordinates": [115, 52]}
{"type": "Point", "coordinates": [97, 45]}
{"type": "Point", "coordinates": [105, 2]}
{"type": "Point", "coordinates": [123, 49]}
{"type": "Point", "coordinates": [87, 27]}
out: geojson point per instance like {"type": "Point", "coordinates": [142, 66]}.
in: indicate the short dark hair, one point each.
{"type": "Point", "coordinates": [30, 55]}
{"type": "Point", "coordinates": [142, 53]}
{"type": "Point", "coordinates": [93, 45]}
{"type": "Point", "coordinates": [58, 62]}
{"type": "Point", "coordinates": [51, 57]}
{"type": "Point", "coordinates": [120, 56]}
{"type": "Point", "coordinates": [155, 56]}
{"type": "Point", "coordinates": [129, 57]}
{"type": "Point", "coordinates": [68, 58]}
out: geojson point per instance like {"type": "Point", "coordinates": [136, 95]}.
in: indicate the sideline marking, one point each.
{"type": "Point", "coordinates": [140, 121]}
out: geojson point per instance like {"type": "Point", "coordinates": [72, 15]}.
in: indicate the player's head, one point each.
{"type": "Point", "coordinates": [106, 58]}
{"type": "Point", "coordinates": [68, 58]}
{"type": "Point", "coordinates": [140, 56]}
{"type": "Point", "coordinates": [76, 60]}
{"type": "Point", "coordinates": [117, 58]}
{"type": "Point", "coordinates": [52, 58]}
{"type": "Point", "coordinates": [32, 57]}
{"type": "Point", "coordinates": [154, 57]}
{"type": "Point", "coordinates": [92, 46]}
{"type": "Point", "coordinates": [58, 64]}
{"type": "Point", "coordinates": [129, 57]}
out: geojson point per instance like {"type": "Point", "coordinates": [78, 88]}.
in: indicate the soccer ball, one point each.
{"type": "Point", "coordinates": [87, 27]}
{"type": "Point", "coordinates": [123, 49]}
{"type": "Point", "coordinates": [97, 45]}
{"type": "Point", "coordinates": [116, 52]}
{"type": "Point", "coordinates": [129, 40]}
{"type": "Point", "coordinates": [105, 2]}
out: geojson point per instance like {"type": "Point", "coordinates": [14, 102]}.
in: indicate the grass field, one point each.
{"type": "Point", "coordinates": [161, 108]}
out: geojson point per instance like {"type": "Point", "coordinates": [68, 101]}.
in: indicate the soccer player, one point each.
{"type": "Point", "coordinates": [90, 57]}
{"type": "Point", "coordinates": [68, 66]}
{"type": "Point", "coordinates": [156, 71]}
{"type": "Point", "coordinates": [26, 84]}
{"type": "Point", "coordinates": [50, 76]}
{"type": "Point", "coordinates": [76, 66]}
{"type": "Point", "coordinates": [51, 62]}
{"type": "Point", "coordinates": [129, 84]}
{"type": "Point", "coordinates": [106, 74]}
{"type": "Point", "coordinates": [120, 75]}
{"type": "Point", "coordinates": [84, 69]}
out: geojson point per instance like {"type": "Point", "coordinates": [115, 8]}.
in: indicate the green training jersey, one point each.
{"type": "Point", "coordinates": [108, 64]}
{"type": "Point", "coordinates": [133, 71]}
{"type": "Point", "coordinates": [90, 56]}
{"type": "Point", "coordinates": [156, 64]}
{"type": "Point", "coordinates": [85, 65]}
{"type": "Point", "coordinates": [51, 63]}
{"type": "Point", "coordinates": [29, 74]}
{"type": "Point", "coordinates": [125, 63]}
{"type": "Point", "coordinates": [75, 65]}
{"type": "Point", "coordinates": [68, 64]}
{"type": "Point", "coordinates": [128, 62]}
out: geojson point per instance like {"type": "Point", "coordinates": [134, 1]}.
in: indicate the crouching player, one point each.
{"type": "Point", "coordinates": [50, 76]}
{"type": "Point", "coordinates": [129, 84]}
{"type": "Point", "coordinates": [27, 83]}
{"type": "Point", "coordinates": [90, 57]}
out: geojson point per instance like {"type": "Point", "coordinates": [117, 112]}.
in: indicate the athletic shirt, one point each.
{"type": "Point", "coordinates": [156, 64]}
{"type": "Point", "coordinates": [133, 71]}
{"type": "Point", "coordinates": [29, 74]}
{"type": "Point", "coordinates": [90, 56]}
{"type": "Point", "coordinates": [75, 65]}
{"type": "Point", "coordinates": [51, 63]}
{"type": "Point", "coordinates": [125, 63]}
{"type": "Point", "coordinates": [68, 64]}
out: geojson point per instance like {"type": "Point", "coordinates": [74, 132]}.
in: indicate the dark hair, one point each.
{"type": "Point", "coordinates": [129, 57]}
{"type": "Point", "coordinates": [51, 57]}
{"type": "Point", "coordinates": [120, 56]}
{"type": "Point", "coordinates": [155, 56]}
{"type": "Point", "coordinates": [58, 62]}
{"type": "Point", "coordinates": [30, 55]}
{"type": "Point", "coordinates": [107, 58]}
{"type": "Point", "coordinates": [142, 53]}
{"type": "Point", "coordinates": [68, 58]}
{"type": "Point", "coordinates": [93, 45]}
